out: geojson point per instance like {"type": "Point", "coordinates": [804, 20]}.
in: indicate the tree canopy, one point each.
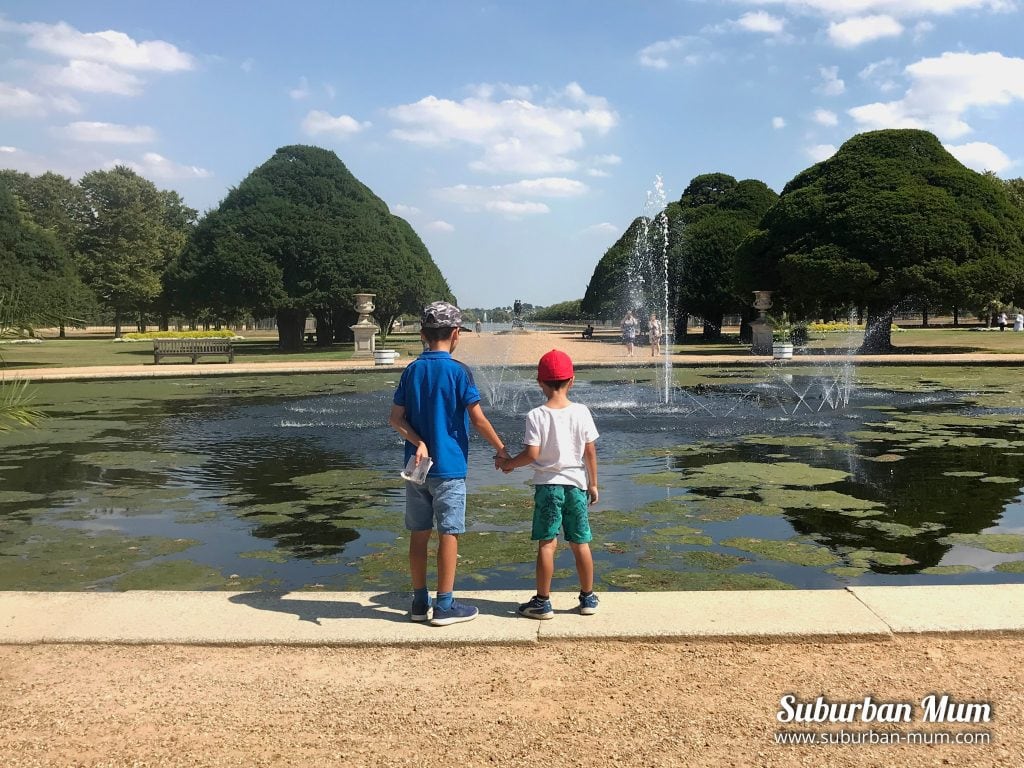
{"type": "Point", "coordinates": [301, 234]}
{"type": "Point", "coordinates": [891, 216]}
{"type": "Point", "coordinates": [709, 222]}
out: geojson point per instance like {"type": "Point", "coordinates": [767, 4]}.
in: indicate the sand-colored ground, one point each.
{"type": "Point", "coordinates": [584, 703]}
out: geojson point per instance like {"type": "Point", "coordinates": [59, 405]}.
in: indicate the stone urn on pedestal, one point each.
{"type": "Point", "coordinates": [365, 329]}
{"type": "Point", "coordinates": [761, 327]}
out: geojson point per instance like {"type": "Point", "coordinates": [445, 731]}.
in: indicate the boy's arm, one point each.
{"type": "Point", "coordinates": [528, 455]}
{"type": "Point", "coordinates": [401, 426]}
{"type": "Point", "coordinates": [486, 431]}
{"type": "Point", "coordinates": [590, 462]}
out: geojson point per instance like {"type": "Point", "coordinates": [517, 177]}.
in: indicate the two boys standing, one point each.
{"type": "Point", "coordinates": [434, 404]}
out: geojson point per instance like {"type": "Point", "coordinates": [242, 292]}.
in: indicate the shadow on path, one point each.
{"type": "Point", "coordinates": [386, 606]}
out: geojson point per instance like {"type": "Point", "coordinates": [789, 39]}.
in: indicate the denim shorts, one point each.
{"type": "Point", "coordinates": [440, 501]}
{"type": "Point", "coordinates": [560, 506]}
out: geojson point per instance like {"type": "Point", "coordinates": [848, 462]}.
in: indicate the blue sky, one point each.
{"type": "Point", "coordinates": [518, 138]}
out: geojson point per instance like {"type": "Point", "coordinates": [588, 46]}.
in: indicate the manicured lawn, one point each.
{"type": "Point", "coordinates": [84, 351]}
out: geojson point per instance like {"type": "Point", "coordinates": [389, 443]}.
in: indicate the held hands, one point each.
{"type": "Point", "coordinates": [500, 459]}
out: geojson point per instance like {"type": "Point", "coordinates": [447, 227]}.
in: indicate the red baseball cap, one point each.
{"type": "Point", "coordinates": [555, 366]}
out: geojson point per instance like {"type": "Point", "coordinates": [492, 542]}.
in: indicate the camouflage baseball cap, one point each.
{"type": "Point", "coordinates": [441, 314]}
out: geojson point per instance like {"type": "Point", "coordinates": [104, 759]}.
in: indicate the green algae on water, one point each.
{"type": "Point", "coordinates": [1006, 543]}
{"type": "Point", "coordinates": [656, 579]}
{"type": "Point", "coordinates": [789, 551]}
{"type": "Point", "coordinates": [948, 570]}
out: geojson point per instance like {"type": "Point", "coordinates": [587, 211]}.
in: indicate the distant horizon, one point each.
{"type": "Point", "coordinates": [519, 142]}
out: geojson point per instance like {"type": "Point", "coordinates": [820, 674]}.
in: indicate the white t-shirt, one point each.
{"type": "Point", "coordinates": [561, 434]}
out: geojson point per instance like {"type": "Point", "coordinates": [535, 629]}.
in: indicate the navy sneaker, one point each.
{"type": "Point", "coordinates": [588, 604]}
{"type": "Point", "coordinates": [537, 608]}
{"type": "Point", "coordinates": [419, 609]}
{"type": "Point", "coordinates": [456, 614]}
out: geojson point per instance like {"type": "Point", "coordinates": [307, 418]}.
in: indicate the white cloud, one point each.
{"type": "Point", "coordinates": [820, 152]}
{"type": "Point", "coordinates": [440, 226]}
{"type": "Point", "coordinates": [18, 102]}
{"type": "Point", "coordinates": [604, 228]}
{"type": "Point", "coordinates": [897, 8]}
{"type": "Point", "coordinates": [863, 29]}
{"type": "Point", "coordinates": [248, 65]}
{"type": "Point", "coordinates": [331, 91]}
{"type": "Point", "coordinates": [404, 210]}
{"type": "Point", "coordinates": [111, 133]}
{"type": "Point", "coordinates": [921, 30]}
{"type": "Point", "coordinates": [515, 209]}
{"type": "Point", "coordinates": [107, 47]}
{"type": "Point", "coordinates": [597, 173]}
{"type": "Point", "coordinates": [686, 49]}
{"type": "Point", "coordinates": [882, 74]}
{"type": "Point", "coordinates": [944, 88]}
{"type": "Point", "coordinates": [516, 199]}
{"type": "Point", "coordinates": [8, 150]}
{"type": "Point", "coordinates": [825, 117]}
{"type": "Point", "coordinates": [831, 83]}
{"type": "Point", "coordinates": [514, 135]}
{"type": "Point", "coordinates": [606, 160]}
{"type": "Point", "coordinates": [778, 122]}
{"type": "Point", "coordinates": [301, 91]}
{"type": "Point", "coordinates": [154, 166]}
{"type": "Point", "coordinates": [93, 77]}
{"type": "Point", "coordinates": [342, 126]}
{"type": "Point", "coordinates": [980, 156]}
{"type": "Point", "coordinates": [761, 21]}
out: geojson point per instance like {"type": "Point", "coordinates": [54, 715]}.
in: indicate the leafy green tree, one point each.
{"type": "Point", "coordinates": [57, 205]}
{"type": "Point", "coordinates": [124, 245]}
{"type": "Point", "coordinates": [301, 234]}
{"type": "Point", "coordinates": [891, 218]}
{"type": "Point", "coordinates": [608, 294]}
{"type": "Point", "coordinates": [563, 312]}
{"type": "Point", "coordinates": [713, 216]}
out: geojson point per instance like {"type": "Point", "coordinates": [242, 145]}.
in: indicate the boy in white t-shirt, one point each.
{"type": "Point", "coordinates": [559, 444]}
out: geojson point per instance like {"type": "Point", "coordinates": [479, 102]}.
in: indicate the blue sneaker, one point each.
{"type": "Point", "coordinates": [588, 604]}
{"type": "Point", "coordinates": [537, 608]}
{"type": "Point", "coordinates": [456, 614]}
{"type": "Point", "coordinates": [419, 609]}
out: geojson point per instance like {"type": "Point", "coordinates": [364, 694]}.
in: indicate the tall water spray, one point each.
{"type": "Point", "coordinates": [648, 275]}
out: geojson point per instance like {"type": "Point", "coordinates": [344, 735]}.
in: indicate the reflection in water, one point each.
{"type": "Point", "coordinates": [294, 491]}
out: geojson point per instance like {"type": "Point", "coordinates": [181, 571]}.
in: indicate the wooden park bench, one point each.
{"type": "Point", "coordinates": [194, 348]}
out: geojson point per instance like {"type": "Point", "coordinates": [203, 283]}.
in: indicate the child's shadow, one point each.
{"type": "Point", "coordinates": [386, 606]}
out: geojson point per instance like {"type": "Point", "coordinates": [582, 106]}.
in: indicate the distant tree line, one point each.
{"type": "Point", "coordinates": [891, 221]}
{"type": "Point", "coordinates": [299, 236]}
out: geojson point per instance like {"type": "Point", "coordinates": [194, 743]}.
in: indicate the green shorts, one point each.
{"type": "Point", "coordinates": [558, 506]}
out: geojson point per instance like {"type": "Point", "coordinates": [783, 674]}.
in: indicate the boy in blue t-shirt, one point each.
{"type": "Point", "coordinates": [434, 404]}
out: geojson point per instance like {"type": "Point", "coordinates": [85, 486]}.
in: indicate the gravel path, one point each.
{"type": "Point", "coordinates": [582, 703]}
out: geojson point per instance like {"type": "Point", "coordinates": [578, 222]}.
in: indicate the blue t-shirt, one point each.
{"type": "Point", "coordinates": [436, 392]}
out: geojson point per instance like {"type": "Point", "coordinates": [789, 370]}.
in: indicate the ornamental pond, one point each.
{"type": "Point", "coordinates": [749, 478]}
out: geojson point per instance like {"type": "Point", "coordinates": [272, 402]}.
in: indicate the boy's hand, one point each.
{"type": "Point", "coordinates": [421, 452]}
{"type": "Point", "coordinates": [500, 458]}
{"type": "Point", "coordinates": [592, 494]}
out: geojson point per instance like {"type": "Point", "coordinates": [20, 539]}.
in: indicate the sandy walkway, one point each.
{"type": "Point", "coordinates": [582, 703]}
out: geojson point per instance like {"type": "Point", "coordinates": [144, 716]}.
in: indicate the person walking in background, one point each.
{"type": "Point", "coordinates": [654, 333]}
{"type": "Point", "coordinates": [1002, 321]}
{"type": "Point", "coordinates": [559, 444]}
{"type": "Point", "coordinates": [435, 402]}
{"type": "Point", "coordinates": [629, 329]}
{"type": "Point", "coordinates": [1018, 322]}
{"type": "Point", "coordinates": [478, 327]}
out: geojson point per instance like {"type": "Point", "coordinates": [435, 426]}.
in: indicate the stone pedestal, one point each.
{"type": "Point", "coordinates": [761, 327]}
{"type": "Point", "coordinates": [365, 329]}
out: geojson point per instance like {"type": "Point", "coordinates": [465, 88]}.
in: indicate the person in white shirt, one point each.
{"type": "Point", "coordinates": [559, 445]}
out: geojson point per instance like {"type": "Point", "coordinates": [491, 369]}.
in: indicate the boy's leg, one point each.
{"type": "Point", "coordinates": [545, 566]}
{"type": "Point", "coordinates": [447, 558]}
{"type": "Point", "coordinates": [418, 541]}
{"type": "Point", "coordinates": [584, 565]}
{"type": "Point", "coordinates": [450, 513]}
